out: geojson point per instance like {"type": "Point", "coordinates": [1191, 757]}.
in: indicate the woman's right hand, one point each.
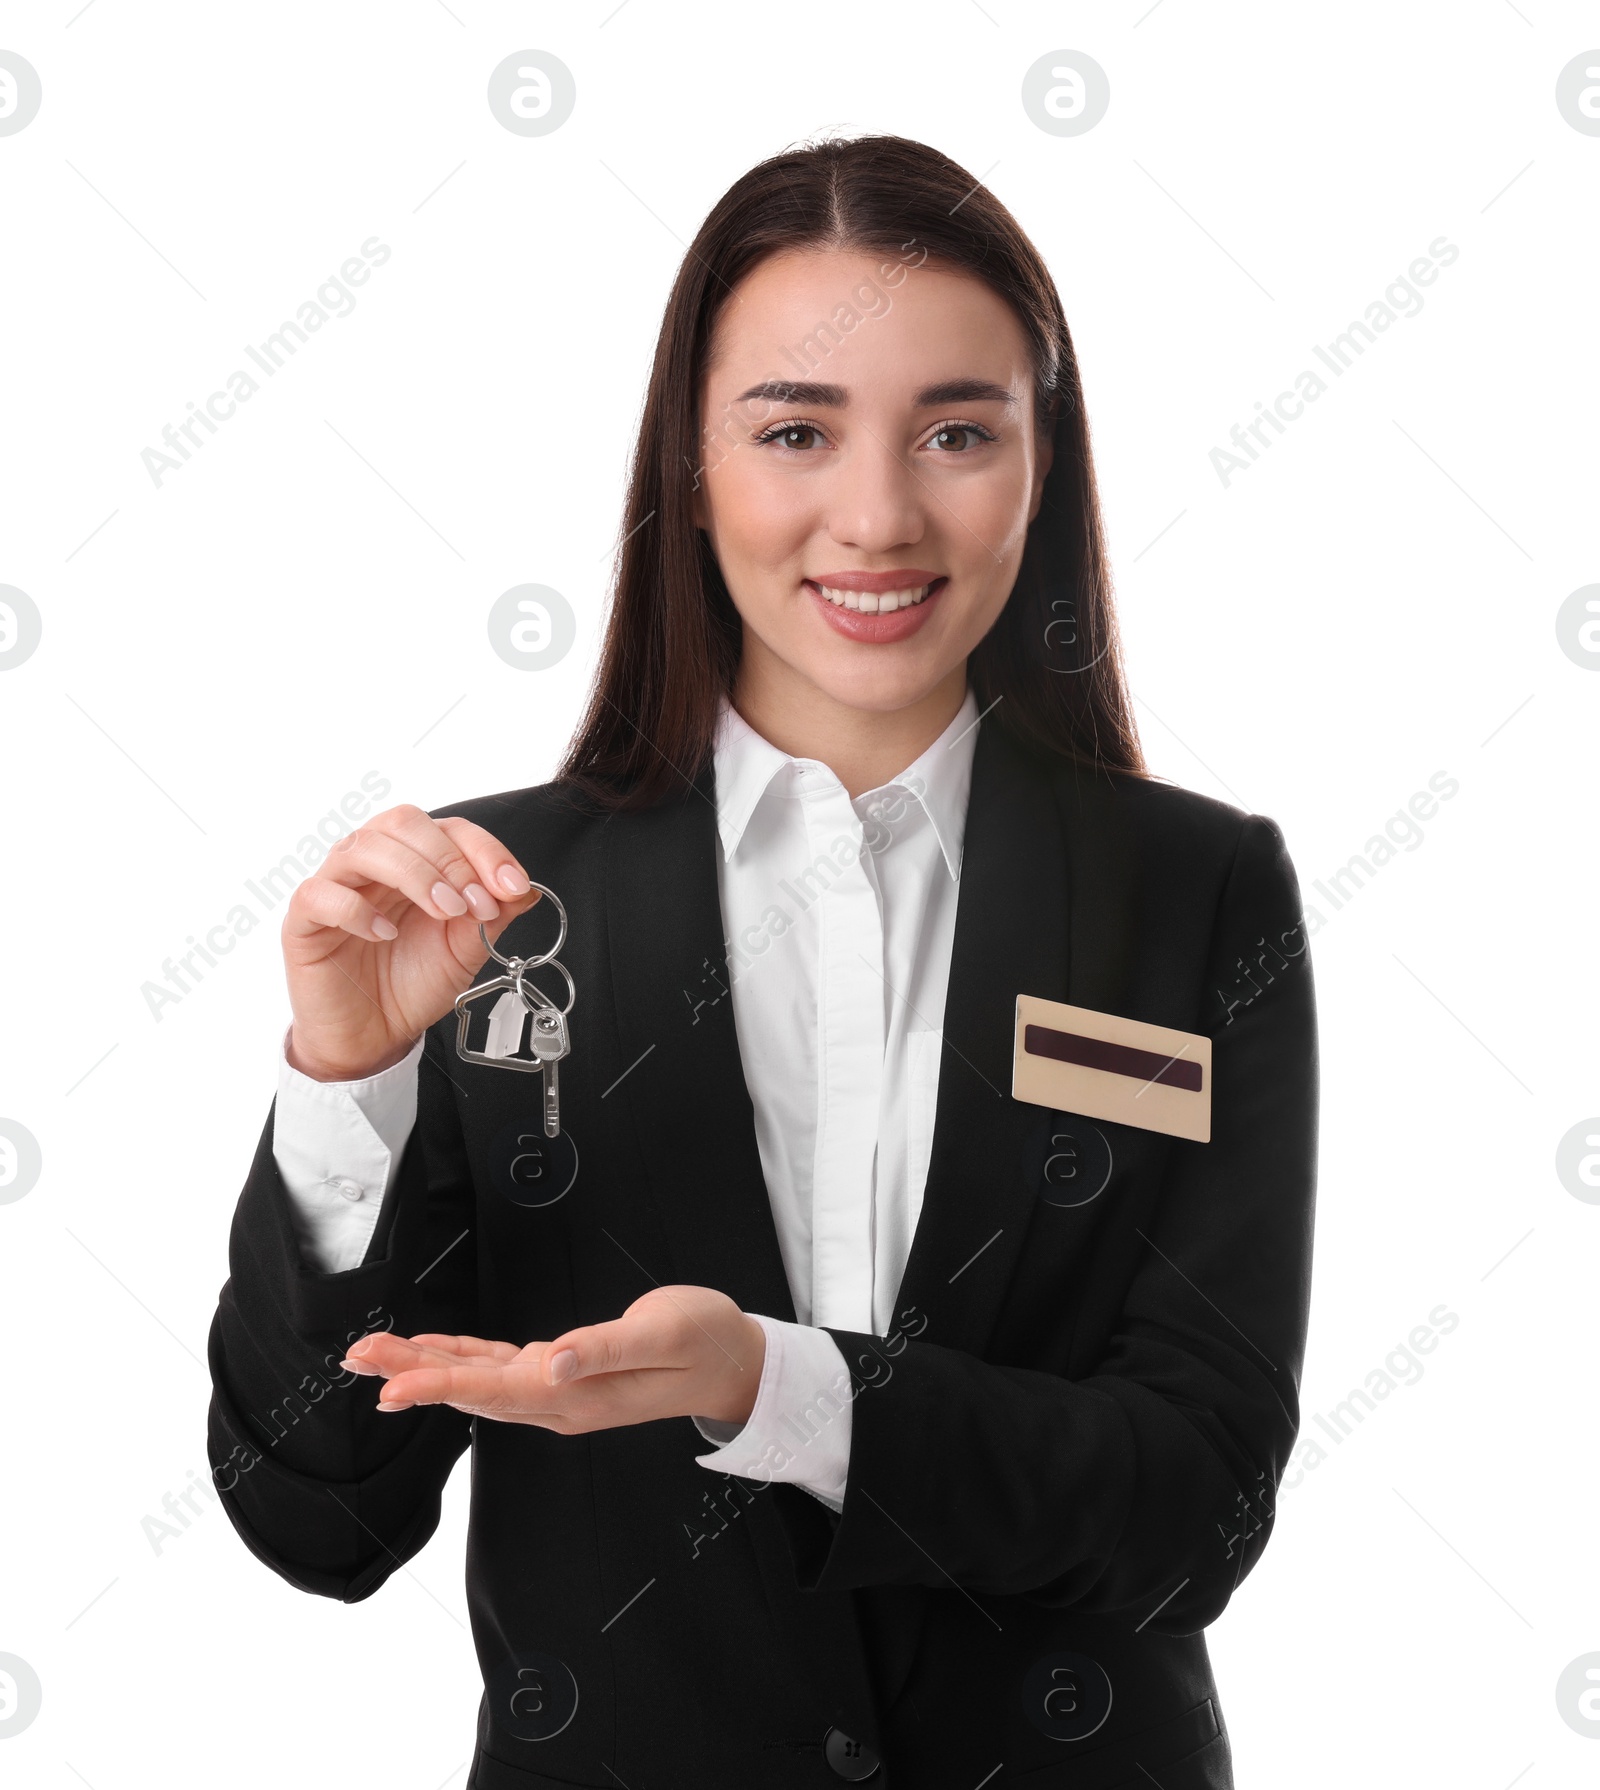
{"type": "Point", "coordinates": [380, 941]}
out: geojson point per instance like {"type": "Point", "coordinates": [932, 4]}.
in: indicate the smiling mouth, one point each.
{"type": "Point", "coordinates": [881, 603]}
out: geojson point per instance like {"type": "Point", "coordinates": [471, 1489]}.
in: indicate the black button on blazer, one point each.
{"type": "Point", "coordinates": [1065, 1452]}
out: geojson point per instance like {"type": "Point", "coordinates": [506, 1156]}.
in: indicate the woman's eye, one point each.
{"type": "Point", "coordinates": [783, 435]}
{"type": "Point", "coordinates": [938, 438]}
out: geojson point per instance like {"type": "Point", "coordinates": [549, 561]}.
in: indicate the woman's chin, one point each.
{"type": "Point", "coordinates": [876, 688]}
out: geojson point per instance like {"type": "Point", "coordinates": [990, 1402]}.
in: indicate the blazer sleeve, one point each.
{"type": "Point", "coordinates": [330, 1492]}
{"type": "Point", "coordinates": [1146, 1487]}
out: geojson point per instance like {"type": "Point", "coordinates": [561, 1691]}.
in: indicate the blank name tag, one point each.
{"type": "Point", "coordinates": [1107, 1067]}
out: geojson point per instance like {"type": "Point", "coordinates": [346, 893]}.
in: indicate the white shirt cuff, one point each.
{"type": "Point", "coordinates": [799, 1428]}
{"type": "Point", "coordinates": [337, 1145]}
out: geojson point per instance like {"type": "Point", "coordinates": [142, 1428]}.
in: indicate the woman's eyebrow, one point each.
{"type": "Point", "coordinates": [822, 396]}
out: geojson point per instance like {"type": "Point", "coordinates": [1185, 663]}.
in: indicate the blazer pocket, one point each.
{"type": "Point", "coordinates": [1193, 1740]}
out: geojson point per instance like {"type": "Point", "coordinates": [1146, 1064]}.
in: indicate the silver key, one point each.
{"type": "Point", "coordinates": [548, 1039]}
{"type": "Point", "coordinates": [546, 1023]}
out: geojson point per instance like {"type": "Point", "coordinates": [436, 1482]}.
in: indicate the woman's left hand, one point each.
{"type": "Point", "coordinates": [676, 1352]}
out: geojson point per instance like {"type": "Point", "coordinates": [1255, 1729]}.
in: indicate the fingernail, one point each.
{"type": "Point", "coordinates": [385, 928]}
{"type": "Point", "coordinates": [448, 898]}
{"type": "Point", "coordinates": [483, 904]}
{"type": "Point", "coordinates": [359, 1367]}
{"type": "Point", "coordinates": [512, 880]}
{"type": "Point", "coordinates": [389, 1405]}
{"type": "Point", "coordinates": [561, 1366]}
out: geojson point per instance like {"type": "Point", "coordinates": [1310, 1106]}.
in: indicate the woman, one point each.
{"type": "Point", "coordinates": [888, 1161]}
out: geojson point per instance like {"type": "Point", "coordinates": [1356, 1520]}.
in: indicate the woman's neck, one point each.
{"type": "Point", "coordinates": [864, 748]}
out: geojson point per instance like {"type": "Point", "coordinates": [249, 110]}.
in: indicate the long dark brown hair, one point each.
{"type": "Point", "coordinates": [1051, 665]}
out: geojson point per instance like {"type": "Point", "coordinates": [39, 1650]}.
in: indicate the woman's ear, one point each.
{"type": "Point", "coordinates": [1044, 458]}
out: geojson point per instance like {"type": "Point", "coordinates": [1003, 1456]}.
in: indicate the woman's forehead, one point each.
{"type": "Point", "coordinates": [841, 316]}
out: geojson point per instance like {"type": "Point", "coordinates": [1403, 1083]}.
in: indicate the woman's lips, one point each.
{"type": "Point", "coordinates": [880, 625]}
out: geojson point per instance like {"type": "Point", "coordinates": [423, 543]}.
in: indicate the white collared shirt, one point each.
{"type": "Point", "coordinates": [838, 920]}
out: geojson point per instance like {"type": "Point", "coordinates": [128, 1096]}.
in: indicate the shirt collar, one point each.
{"type": "Point", "coordinates": [748, 765]}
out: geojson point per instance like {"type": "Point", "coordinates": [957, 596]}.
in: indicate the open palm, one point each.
{"type": "Point", "coordinates": [678, 1351]}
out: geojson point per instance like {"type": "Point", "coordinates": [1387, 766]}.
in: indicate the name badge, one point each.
{"type": "Point", "coordinates": [1107, 1067]}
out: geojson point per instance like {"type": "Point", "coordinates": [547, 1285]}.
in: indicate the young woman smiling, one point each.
{"type": "Point", "coordinates": [880, 1377]}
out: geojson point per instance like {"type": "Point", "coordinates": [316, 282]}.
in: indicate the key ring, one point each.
{"type": "Point", "coordinates": [532, 993]}
{"type": "Point", "coordinates": [549, 1039]}
{"type": "Point", "coordinates": [532, 996]}
{"type": "Point", "coordinates": [531, 963]}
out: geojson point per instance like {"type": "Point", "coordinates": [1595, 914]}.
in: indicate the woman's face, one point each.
{"type": "Point", "coordinates": [866, 443]}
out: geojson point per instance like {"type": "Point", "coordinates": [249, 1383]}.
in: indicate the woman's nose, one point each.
{"type": "Point", "coordinates": [876, 501]}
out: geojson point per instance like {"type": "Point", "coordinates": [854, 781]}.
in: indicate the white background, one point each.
{"type": "Point", "coordinates": [224, 657]}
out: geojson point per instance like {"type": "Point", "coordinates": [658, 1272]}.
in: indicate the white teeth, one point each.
{"type": "Point", "coordinates": [870, 604]}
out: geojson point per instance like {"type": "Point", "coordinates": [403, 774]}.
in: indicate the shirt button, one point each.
{"type": "Point", "coordinates": [343, 1184]}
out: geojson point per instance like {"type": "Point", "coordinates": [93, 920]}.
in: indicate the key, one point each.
{"type": "Point", "coordinates": [522, 1005]}
{"type": "Point", "coordinates": [548, 1039]}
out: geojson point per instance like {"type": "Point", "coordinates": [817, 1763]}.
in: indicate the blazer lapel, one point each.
{"type": "Point", "coordinates": [685, 1081]}
{"type": "Point", "coordinates": [1017, 918]}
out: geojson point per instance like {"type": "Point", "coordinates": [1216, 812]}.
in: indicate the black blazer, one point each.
{"type": "Point", "coordinates": [1064, 1455]}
